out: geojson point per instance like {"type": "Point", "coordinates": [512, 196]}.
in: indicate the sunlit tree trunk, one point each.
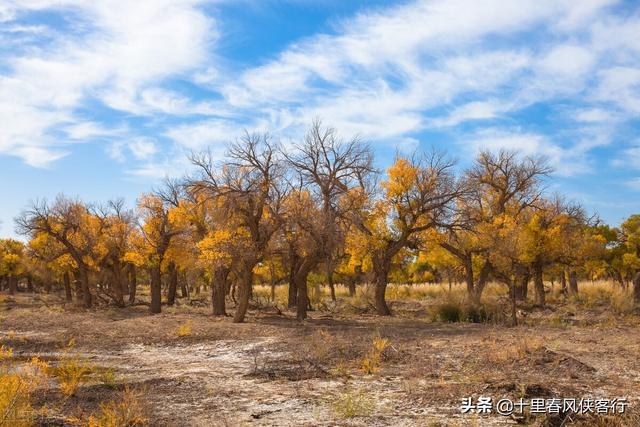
{"type": "Point", "coordinates": [381, 276]}
{"type": "Point", "coordinates": [245, 283]}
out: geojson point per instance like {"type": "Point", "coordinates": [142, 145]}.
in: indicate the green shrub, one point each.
{"type": "Point", "coordinates": [450, 312]}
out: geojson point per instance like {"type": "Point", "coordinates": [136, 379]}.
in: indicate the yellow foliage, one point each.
{"type": "Point", "coordinates": [127, 412]}
{"type": "Point", "coordinates": [370, 364]}
{"type": "Point", "coordinates": [17, 383]}
{"type": "Point", "coordinates": [184, 330]}
{"type": "Point", "coordinates": [71, 371]}
{"type": "Point", "coordinates": [401, 177]}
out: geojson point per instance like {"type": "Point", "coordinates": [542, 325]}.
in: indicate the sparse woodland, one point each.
{"type": "Point", "coordinates": [310, 230]}
{"type": "Point", "coordinates": [266, 215]}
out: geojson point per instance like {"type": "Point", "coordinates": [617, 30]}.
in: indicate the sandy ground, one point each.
{"type": "Point", "coordinates": [275, 371]}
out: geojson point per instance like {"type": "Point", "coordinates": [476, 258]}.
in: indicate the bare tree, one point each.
{"type": "Point", "coordinates": [247, 188]}
{"type": "Point", "coordinates": [326, 168]}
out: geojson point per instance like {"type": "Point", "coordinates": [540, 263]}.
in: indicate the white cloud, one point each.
{"type": "Point", "coordinates": [383, 74]}
{"type": "Point", "coordinates": [620, 86]}
{"type": "Point", "coordinates": [85, 130]}
{"type": "Point", "coordinates": [128, 49]}
{"type": "Point", "coordinates": [478, 110]}
{"type": "Point", "coordinates": [567, 61]}
{"type": "Point", "coordinates": [564, 161]}
{"type": "Point", "coordinates": [141, 148]}
{"type": "Point", "coordinates": [211, 133]}
{"type": "Point", "coordinates": [594, 115]}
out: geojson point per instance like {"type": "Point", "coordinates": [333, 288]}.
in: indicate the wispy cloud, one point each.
{"type": "Point", "coordinates": [123, 50]}
{"type": "Point", "coordinates": [387, 74]}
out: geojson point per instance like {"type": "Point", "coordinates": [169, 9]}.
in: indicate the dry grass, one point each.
{"type": "Point", "coordinates": [337, 363]}
{"type": "Point", "coordinates": [128, 411]}
{"type": "Point", "coordinates": [500, 351]}
{"type": "Point", "coordinates": [353, 403]}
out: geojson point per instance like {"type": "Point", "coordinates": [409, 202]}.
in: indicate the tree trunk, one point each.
{"type": "Point", "coordinates": [173, 284]}
{"type": "Point", "coordinates": [78, 287]}
{"type": "Point", "coordinates": [303, 304]}
{"type": "Point", "coordinates": [67, 286]}
{"type": "Point", "coordinates": [381, 273]}
{"type": "Point", "coordinates": [538, 285]}
{"type": "Point", "coordinates": [13, 285]}
{"type": "Point", "coordinates": [478, 288]}
{"type": "Point", "coordinates": [118, 284]}
{"type": "Point", "coordinates": [293, 291]}
{"type": "Point", "coordinates": [636, 288]}
{"type": "Point", "coordinates": [522, 287]}
{"type": "Point", "coordinates": [331, 285]}
{"type": "Point", "coordinates": [563, 282]}
{"type": "Point", "coordinates": [133, 283]}
{"type": "Point", "coordinates": [156, 290]}
{"type": "Point", "coordinates": [29, 283]}
{"type": "Point", "coordinates": [512, 297]}
{"type": "Point", "coordinates": [184, 289]}
{"type": "Point", "coordinates": [468, 277]}
{"type": "Point", "coordinates": [573, 283]}
{"type": "Point", "coordinates": [351, 284]}
{"type": "Point", "coordinates": [302, 297]}
{"type": "Point", "coordinates": [84, 283]}
{"type": "Point", "coordinates": [244, 287]}
{"type": "Point", "coordinates": [219, 290]}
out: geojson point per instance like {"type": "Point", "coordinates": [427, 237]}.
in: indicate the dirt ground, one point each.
{"type": "Point", "coordinates": [197, 370]}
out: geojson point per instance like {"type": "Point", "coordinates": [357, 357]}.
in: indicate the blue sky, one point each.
{"type": "Point", "coordinates": [102, 99]}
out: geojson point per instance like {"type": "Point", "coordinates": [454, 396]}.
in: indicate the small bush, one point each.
{"type": "Point", "coordinates": [353, 403]}
{"type": "Point", "coordinates": [16, 386]}
{"type": "Point", "coordinates": [184, 330]}
{"type": "Point", "coordinates": [370, 364]}
{"type": "Point", "coordinates": [71, 373]}
{"type": "Point", "coordinates": [457, 311]}
{"type": "Point", "coordinates": [129, 411]}
{"type": "Point", "coordinates": [108, 377]}
{"type": "Point", "coordinates": [450, 312]}
{"type": "Point", "coordinates": [484, 313]}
